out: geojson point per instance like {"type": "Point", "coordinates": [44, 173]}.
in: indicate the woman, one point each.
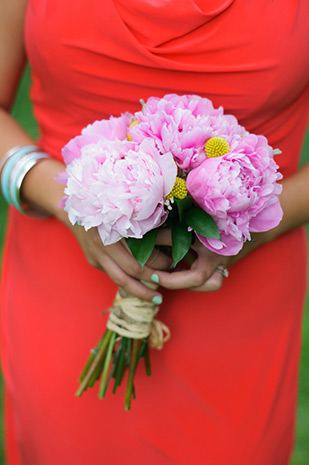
{"type": "Point", "coordinates": [224, 388]}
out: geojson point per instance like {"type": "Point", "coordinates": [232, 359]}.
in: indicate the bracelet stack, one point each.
{"type": "Point", "coordinates": [14, 167]}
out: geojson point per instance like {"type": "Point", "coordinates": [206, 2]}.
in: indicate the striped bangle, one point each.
{"type": "Point", "coordinates": [22, 167]}
{"type": "Point", "coordinates": [8, 162]}
{"type": "Point", "coordinates": [22, 149]}
{"type": "Point", "coordinates": [18, 162]}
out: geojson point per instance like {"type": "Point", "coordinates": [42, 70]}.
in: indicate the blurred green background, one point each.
{"type": "Point", "coordinates": [22, 112]}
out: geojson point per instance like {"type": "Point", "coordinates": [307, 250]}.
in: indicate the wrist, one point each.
{"type": "Point", "coordinates": [40, 189]}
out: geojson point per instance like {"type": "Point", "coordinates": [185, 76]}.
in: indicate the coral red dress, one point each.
{"type": "Point", "coordinates": [224, 388]}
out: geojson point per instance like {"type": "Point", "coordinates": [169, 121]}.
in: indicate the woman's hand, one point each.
{"type": "Point", "coordinates": [117, 261]}
{"type": "Point", "coordinates": [203, 274]}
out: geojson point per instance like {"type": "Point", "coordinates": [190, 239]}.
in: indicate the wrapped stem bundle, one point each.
{"type": "Point", "coordinates": [131, 328]}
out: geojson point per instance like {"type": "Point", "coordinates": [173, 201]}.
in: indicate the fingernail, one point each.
{"type": "Point", "coordinates": [157, 300]}
{"type": "Point", "coordinates": [155, 278]}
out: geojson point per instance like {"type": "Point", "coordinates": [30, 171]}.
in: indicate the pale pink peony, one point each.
{"type": "Point", "coordinates": [118, 187]}
{"type": "Point", "coordinates": [182, 125]}
{"type": "Point", "coordinates": [111, 129]}
{"type": "Point", "coordinates": [240, 191]}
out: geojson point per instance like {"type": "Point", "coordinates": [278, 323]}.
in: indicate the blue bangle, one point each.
{"type": "Point", "coordinates": [6, 172]}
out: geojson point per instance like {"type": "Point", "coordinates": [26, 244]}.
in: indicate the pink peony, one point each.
{"type": "Point", "coordinates": [182, 125]}
{"type": "Point", "coordinates": [240, 191]}
{"type": "Point", "coordinates": [117, 186]}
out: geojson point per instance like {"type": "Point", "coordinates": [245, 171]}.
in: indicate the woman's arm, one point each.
{"type": "Point", "coordinates": [39, 188]}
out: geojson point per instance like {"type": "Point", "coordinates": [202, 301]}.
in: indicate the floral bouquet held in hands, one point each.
{"type": "Point", "coordinates": [181, 164]}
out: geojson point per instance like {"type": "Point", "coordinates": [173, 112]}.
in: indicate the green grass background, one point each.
{"type": "Point", "coordinates": [22, 112]}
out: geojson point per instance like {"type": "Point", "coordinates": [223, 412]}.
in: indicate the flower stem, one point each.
{"type": "Point", "coordinates": [92, 355]}
{"type": "Point", "coordinates": [97, 361]}
{"type": "Point", "coordinates": [96, 375]}
{"type": "Point", "coordinates": [113, 369]}
{"type": "Point", "coordinates": [147, 359]}
{"type": "Point", "coordinates": [121, 363]}
{"type": "Point", "coordinates": [106, 364]}
{"type": "Point", "coordinates": [142, 349]}
{"type": "Point", "coordinates": [132, 368]}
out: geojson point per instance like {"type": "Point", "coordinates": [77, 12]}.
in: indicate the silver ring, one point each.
{"type": "Point", "coordinates": [224, 272]}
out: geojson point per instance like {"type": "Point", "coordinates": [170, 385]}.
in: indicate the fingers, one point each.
{"type": "Point", "coordinates": [117, 261]}
{"type": "Point", "coordinates": [188, 279]}
{"type": "Point", "coordinates": [124, 259]}
{"type": "Point", "coordinates": [194, 277]}
{"type": "Point", "coordinates": [128, 283]}
{"type": "Point", "coordinates": [164, 237]}
{"type": "Point", "coordinates": [159, 260]}
{"type": "Point", "coordinates": [213, 283]}
{"type": "Point", "coordinates": [120, 253]}
{"type": "Point", "coordinates": [201, 276]}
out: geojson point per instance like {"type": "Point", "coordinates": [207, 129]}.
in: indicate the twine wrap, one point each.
{"type": "Point", "coordinates": [134, 318]}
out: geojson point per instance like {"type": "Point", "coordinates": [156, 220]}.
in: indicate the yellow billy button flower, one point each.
{"type": "Point", "coordinates": [179, 190]}
{"type": "Point", "coordinates": [132, 124]}
{"type": "Point", "coordinates": [216, 147]}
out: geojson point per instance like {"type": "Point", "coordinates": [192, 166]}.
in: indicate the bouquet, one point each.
{"type": "Point", "coordinates": [178, 163]}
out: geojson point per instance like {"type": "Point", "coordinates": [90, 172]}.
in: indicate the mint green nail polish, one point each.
{"type": "Point", "coordinates": [155, 278]}
{"type": "Point", "coordinates": [157, 300]}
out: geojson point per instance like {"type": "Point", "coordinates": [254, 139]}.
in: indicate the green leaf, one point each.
{"type": "Point", "coordinates": [181, 241]}
{"type": "Point", "coordinates": [183, 205]}
{"type": "Point", "coordinates": [202, 223]}
{"type": "Point", "coordinates": [141, 248]}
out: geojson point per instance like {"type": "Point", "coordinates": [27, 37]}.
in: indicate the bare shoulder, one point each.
{"type": "Point", "coordinates": [12, 54]}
